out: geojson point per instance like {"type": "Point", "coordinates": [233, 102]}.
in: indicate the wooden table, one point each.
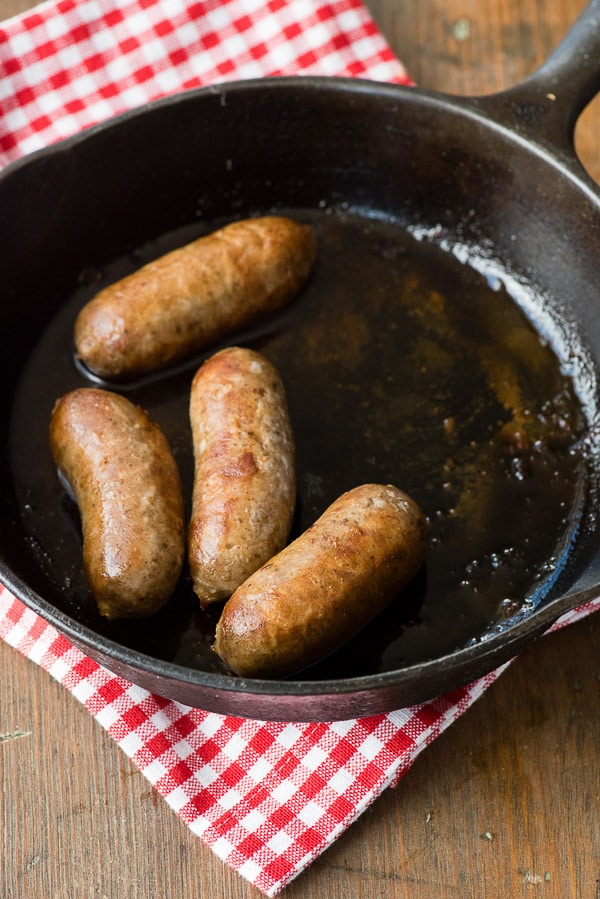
{"type": "Point", "coordinates": [504, 804]}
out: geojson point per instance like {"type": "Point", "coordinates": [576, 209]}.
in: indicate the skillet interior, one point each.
{"type": "Point", "coordinates": [356, 159]}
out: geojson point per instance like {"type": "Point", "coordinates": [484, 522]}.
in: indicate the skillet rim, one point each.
{"type": "Point", "coordinates": [496, 646]}
{"type": "Point", "coordinates": [498, 111]}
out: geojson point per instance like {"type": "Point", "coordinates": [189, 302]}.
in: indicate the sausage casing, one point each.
{"type": "Point", "coordinates": [244, 483]}
{"type": "Point", "coordinates": [189, 298]}
{"type": "Point", "coordinates": [326, 585]}
{"type": "Point", "coordinates": [124, 478]}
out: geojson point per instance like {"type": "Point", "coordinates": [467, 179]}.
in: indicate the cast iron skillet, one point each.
{"type": "Point", "coordinates": [495, 176]}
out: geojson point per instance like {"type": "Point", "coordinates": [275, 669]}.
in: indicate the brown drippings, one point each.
{"type": "Point", "coordinates": [401, 365]}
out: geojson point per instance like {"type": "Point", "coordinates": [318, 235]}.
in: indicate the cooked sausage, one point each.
{"type": "Point", "coordinates": [325, 586]}
{"type": "Point", "coordinates": [188, 299]}
{"type": "Point", "coordinates": [244, 483]}
{"type": "Point", "coordinates": [120, 468]}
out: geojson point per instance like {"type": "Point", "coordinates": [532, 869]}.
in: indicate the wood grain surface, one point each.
{"type": "Point", "coordinates": [504, 804]}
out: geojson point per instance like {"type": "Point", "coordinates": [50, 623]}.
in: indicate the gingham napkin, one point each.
{"type": "Point", "coordinates": [267, 798]}
{"type": "Point", "coordinates": [69, 64]}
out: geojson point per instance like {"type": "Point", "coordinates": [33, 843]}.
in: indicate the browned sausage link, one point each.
{"type": "Point", "coordinates": [121, 470]}
{"type": "Point", "coordinates": [244, 485]}
{"type": "Point", "coordinates": [326, 585]}
{"type": "Point", "coordinates": [188, 299]}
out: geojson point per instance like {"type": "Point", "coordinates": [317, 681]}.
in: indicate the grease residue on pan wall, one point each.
{"type": "Point", "coordinates": [402, 364]}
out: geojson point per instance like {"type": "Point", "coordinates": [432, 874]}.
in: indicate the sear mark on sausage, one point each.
{"type": "Point", "coordinates": [190, 298]}
{"type": "Point", "coordinates": [122, 474]}
{"type": "Point", "coordinates": [325, 586]}
{"type": "Point", "coordinates": [244, 480]}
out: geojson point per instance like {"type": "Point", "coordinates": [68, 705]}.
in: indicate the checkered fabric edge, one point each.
{"type": "Point", "coordinates": [70, 64]}
{"type": "Point", "coordinates": [267, 797]}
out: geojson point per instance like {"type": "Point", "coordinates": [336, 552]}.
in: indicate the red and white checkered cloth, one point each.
{"type": "Point", "coordinates": [69, 64]}
{"type": "Point", "coordinates": [267, 798]}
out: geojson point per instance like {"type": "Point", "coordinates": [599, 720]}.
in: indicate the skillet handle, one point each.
{"type": "Point", "coordinates": [545, 107]}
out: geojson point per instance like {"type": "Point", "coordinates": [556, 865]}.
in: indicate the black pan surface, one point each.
{"type": "Point", "coordinates": [447, 342]}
